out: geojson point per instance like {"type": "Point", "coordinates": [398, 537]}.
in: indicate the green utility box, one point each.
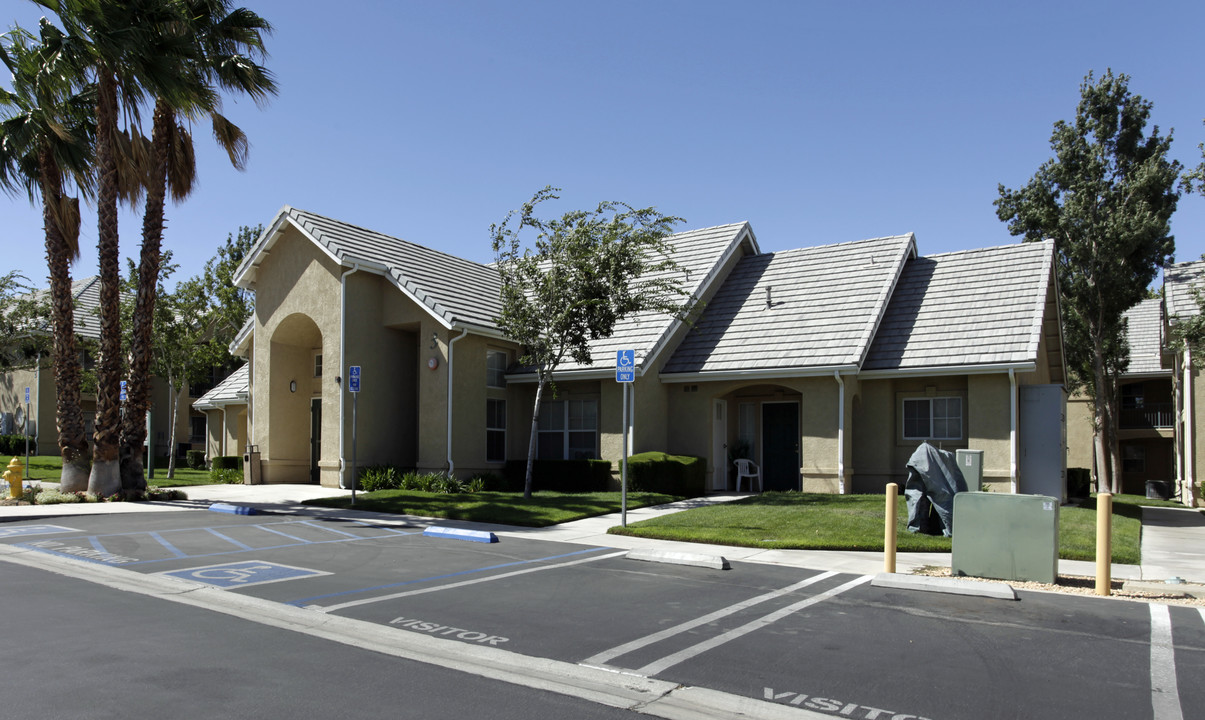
{"type": "Point", "coordinates": [1007, 537]}
{"type": "Point", "coordinates": [970, 464]}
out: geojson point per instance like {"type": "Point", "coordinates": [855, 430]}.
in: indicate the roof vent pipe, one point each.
{"type": "Point", "coordinates": [769, 301]}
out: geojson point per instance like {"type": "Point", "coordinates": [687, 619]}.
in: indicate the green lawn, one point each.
{"type": "Point", "coordinates": [855, 522]}
{"type": "Point", "coordinates": [544, 508]}
{"type": "Point", "coordinates": [49, 468]}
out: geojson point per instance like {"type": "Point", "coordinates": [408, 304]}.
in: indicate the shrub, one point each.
{"type": "Point", "coordinates": [195, 459]}
{"type": "Point", "coordinates": [558, 475]}
{"type": "Point", "coordinates": [657, 472]}
{"type": "Point", "coordinates": [54, 497]}
{"type": "Point", "coordinates": [15, 445]}
{"type": "Point", "coordinates": [226, 462]}
{"type": "Point", "coordinates": [380, 477]}
{"type": "Point", "coordinates": [1079, 482]}
{"type": "Point", "coordinates": [445, 484]}
{"type": "Point", "coordinates": [228, 476]}
{"type": "Point", "coordinates": [165, 494]}
{"type": "Point", "coordinates": [482, 482]}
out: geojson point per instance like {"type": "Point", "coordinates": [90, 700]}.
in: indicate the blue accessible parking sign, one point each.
{"type": "Point", "coordinates": [353, 378]}
{"type": "Point", "coordinates": [625, 366]}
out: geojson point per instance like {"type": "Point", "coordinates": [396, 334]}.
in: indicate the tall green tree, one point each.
{"type": "Point", "coordinates": [1106, 198]}
{"type": "Point", "coordinates": [583, 273]}
{"type": "Point", "coordinates": [46, 142]}
{"type": "Point", "coordinates": [227, 43]}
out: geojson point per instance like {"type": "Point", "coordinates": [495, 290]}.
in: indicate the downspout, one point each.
{"type": "Point", "coordinates": [222, 429]}
{"type": "Point", "coordinates": [1189, 468]}
{"type": "Point", "coordinates": [342, 364]}
{"type": "Point", "coordinates": [451, 344]}
{"type": "Point", "coordinates": [37, 405]}
{"type": "Point", "coordinates": [1012, 429]}
{"type": "Point", "coordinates": [840, 432]}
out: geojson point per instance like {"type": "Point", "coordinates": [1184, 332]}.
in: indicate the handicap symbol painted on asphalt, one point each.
{"type": "Point", "coordinates": [22, 530]}
{"type": "Point", "coordinates": [242, 574]}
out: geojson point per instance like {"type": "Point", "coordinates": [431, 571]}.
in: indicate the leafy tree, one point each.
{"type": "Point", "coordinates": [226, 45]}
{"type": "Point", "coordinates": [1106, 199]}
{"type": "Point", "coordinates": [1194, 180]}
{"type": "Point", "coordinates": [195, 324]}
{"type": "Point", "coordinates": [585, 272]}
{"type": "Point", "coordinates": [23, 314]}
{"type": "Point", "coordinates": [46, 141]}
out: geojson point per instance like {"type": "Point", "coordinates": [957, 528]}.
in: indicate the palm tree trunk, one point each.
{"type": "Point", "coordinates": [133, 428]}
{"type": "Point", "coordinates": [105, 479]}
{"type": "Point", "coordinates": [73, 445]}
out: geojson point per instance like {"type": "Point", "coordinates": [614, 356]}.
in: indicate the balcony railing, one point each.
{"type": "Point", "coordinates": [1150, 415]}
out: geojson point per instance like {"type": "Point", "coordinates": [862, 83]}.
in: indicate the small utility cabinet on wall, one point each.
{"type": "Point", "coordinates": [1006, 537]}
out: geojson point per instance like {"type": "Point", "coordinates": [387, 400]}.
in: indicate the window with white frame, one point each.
{"type": "Point", "coordinates": [495, 369]}
{"type": "Point", "coordinates": [568, 430]}
{"type": "Point", "coordinates": [318, 363]}
{"type": "Point", "coordinates": [495, 430]}
{"type": "Point", "coordinates": [936, 418]}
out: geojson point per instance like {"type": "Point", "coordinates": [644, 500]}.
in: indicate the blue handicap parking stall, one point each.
{"type": "Point", "coordinates": [23, 530]}
{"type": "Point", "coordinates": [243, 574]}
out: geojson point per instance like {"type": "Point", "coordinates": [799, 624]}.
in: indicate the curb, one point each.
{"type": "Point", "coordinates": [670, 557]}
{"type": "Point", "coordinates": [949, 586]}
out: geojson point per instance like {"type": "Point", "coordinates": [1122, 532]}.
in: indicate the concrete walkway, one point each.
{"type": "Point", "coordinates": [1173, 539]}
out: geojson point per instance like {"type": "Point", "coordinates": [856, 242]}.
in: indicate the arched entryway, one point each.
{"type": "Point", "coordinates": [295, 402]}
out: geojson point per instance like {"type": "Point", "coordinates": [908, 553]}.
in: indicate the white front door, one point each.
{"type": "Point", "coordinates": [719, 445]}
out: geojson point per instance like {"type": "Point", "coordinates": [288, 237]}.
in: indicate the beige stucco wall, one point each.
{"type": "Point", "coordinates": [226, 431]}
{"type": "Point", "coordinates": [297, 294]}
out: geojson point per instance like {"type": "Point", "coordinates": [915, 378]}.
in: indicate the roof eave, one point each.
{"type": "Point", "coordinates": [979, 369]}
{"type": "Point", "coordinates": [758, 373]}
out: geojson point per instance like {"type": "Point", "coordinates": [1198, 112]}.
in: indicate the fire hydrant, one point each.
{"type": "Point", "coordinates": [16, 470]}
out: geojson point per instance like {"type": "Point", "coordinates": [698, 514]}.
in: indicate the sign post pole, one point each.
{"type": "Point", "coordinates": [353, 384]}
{"type": "Point", "coordinates": [25, 432]}
{"type": "Point", "coordinates": [625, 375]}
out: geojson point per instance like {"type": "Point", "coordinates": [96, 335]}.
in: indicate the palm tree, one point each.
{"type": "Point", "coordinates": [129, 46]}
{"type": "Point", "coordinates": [46, 137]}
{"type": "Point", "coordinates": [227, 45]}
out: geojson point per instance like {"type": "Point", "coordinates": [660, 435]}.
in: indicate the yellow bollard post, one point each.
{"type": "Point", "coordinates": [1104, 544]}
{"type": "Point", "coordinates": [893, 492]}
{"type": "Point", "coordinates": [16, 471]}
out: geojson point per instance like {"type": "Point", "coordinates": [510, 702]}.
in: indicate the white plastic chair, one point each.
{"type": "Point", "coordinates": [747, 469]}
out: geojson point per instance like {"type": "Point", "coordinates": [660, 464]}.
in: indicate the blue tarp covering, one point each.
{"type": "Point", "coordinates": [933, 479]}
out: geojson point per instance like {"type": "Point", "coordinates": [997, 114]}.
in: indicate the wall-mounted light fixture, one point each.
{"type": "Point", "coordinates": [434, 340]}
{"type": "Point", "coordinates": [292, 386]}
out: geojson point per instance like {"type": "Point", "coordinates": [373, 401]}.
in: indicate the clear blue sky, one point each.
{"type": "Point", "coordinates": [816, 122]}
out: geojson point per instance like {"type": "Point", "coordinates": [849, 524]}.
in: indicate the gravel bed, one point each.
{"type": "Point", "coordinates": [1080, 585]}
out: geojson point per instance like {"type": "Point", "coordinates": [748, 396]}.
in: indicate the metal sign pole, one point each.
{"type": "Point", "coordinates": [355, 399]}
{"type": "Point", "coordinates": [25, 432]}
{"type": "Point", "coordinates": [623, 477]}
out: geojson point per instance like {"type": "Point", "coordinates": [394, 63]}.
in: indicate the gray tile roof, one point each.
{"type": "Point", "coordinates": [976, 307]}
{"type": "Point", "coordinates": [1179, 281]}
{"type": "Point", "coordinates": [824, 305]}
{"type": "Point", "coordinates": [461, 292]}
{"type": "Point", "coordinates": [233, 390]}
{"type": "Point", "coordinates": [87, 306]}
{"type": "Point", "coordinates": [456, 290]}
{"type": "Point", "coordinates": [698, 253]}
{"type": "Point", "coordinates": [1144, 326]}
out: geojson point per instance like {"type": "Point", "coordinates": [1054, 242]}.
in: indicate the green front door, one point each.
{"type": "Point", "coordinates": [315, 438]}
{"type": "Point", "coordinates": [780, 445]}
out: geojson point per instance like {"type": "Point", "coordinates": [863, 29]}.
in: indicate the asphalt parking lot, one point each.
{"type": "Point", "coordinates": [824, 641]}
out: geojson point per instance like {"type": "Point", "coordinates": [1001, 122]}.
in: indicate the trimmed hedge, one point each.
{"type": "Point", "coordinates": [226, 462]}
{"type": "Point", "coordinates": [15, 445]}
{"type": "Point", "coordinates": [1079, 482]}
{"type": "Point", "coordinates": [195, 459]}
{"type": "Point", "coordinates": [558, 475]}
{"type": "Point", "coordinates": [658, 472]}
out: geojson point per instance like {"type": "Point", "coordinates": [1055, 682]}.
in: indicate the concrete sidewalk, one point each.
{"type": "Point", "coordinates": [1173, 540]}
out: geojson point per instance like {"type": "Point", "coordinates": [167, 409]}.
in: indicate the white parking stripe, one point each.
{"type": "Point", "coordinates": [1165, 693]}
{"type": "Point", "coordinates": [682, 655]}
{"type": "Point", "coordinates": [603, 657]}
{"type": "Point", "coordinates": [394, 596]}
